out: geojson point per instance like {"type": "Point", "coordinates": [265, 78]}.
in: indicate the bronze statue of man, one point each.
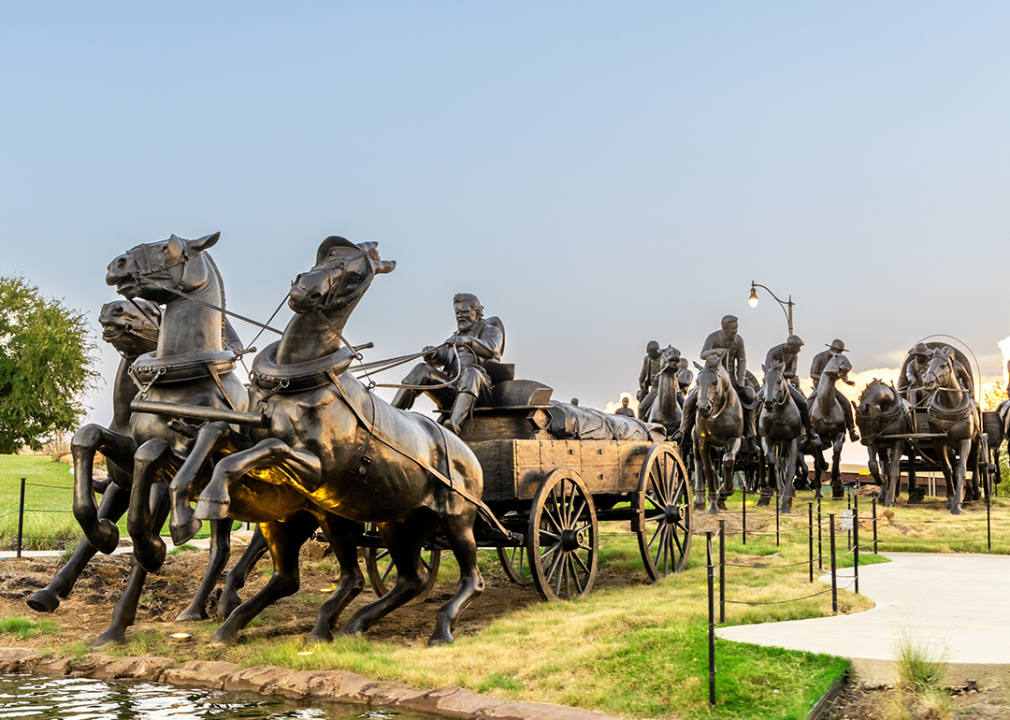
{"type": "Point", "coordinates": [457, 367]}
{"type": "Point", "coordinates": [788, 353]}
{"type": "Point", "coordinates": [624, 410]}
{"type": "Point", "coordinates": [647, 379]}
{"type": "Point", "coordinates": [734, 359]}
{"type": "Point", "coordinates": [684, 377]}
{"type": "Point", "coordinates": [820, 361]}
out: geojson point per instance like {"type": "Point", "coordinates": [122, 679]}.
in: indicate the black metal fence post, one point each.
{"type": "Point", "coordinates": [848, 504]}
{"type": "Point", "coordinates": [711, 620]}
{"type": "Point", "coordinates": [722, 571]}
{"type": "Point", "coordinates": [776, 518]}
{"type": "Point", "coordinates": [743, 531]}
{"type": "Point", "coordinates": [21, 517]}
{"type": "Point", "coordinates": [855, 546]}
{"type": "Point", "coordinates": [834, 576]}
{"type": "Point", "coordinates": [988, 517]}
{"type": "Point", "coordinates": [820, 541]}
{"type": "Point", "coordinates": [874, 525]}
{"type": "Point", "coordinates": [810, 539]}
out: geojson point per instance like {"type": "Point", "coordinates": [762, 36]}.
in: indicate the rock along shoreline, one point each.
{"type": "Point", "coordinates": [326, 685]}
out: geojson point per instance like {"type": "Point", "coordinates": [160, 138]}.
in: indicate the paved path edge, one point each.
{"type": "Point", "coordinates": [325, 685]}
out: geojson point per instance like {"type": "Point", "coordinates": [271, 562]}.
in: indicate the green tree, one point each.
{"type": "Point", "coordinates": [47, 360]}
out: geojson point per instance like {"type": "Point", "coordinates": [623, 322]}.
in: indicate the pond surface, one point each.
{"type": "Point", "coordinates": [42, 697]}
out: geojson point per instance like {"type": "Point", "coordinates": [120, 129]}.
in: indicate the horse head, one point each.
{"type": "Point", "coordinates": [774, 388]}
{"type": "Point", "coordinates": [711, 381]}
{"type": "Point", "coordinates": [154, 270]}
{"type": "Point", "coordinates": [131, 329]}
{"type": "Point", "coordinates": [940, 370]}
{"type": "Point", "coordinates": [340, 277]}
{"type": "Point", "coordinates": [838, 366]}
{"type": "Point", "coordinates": [669, 360]}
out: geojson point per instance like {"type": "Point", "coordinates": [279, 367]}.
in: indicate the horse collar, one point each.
{"type": "Point", "coordinates": [268, 375]}
{"type": "Point", "coordinates": [149, 369]}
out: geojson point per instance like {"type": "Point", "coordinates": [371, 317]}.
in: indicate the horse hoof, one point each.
{"type": "Point", "coordinates": [106, 539]}
{"type": "Point", "coordinates": [152, 557]}
{"type": "Point", "coordinates": [713, 509]}
{"type": "Point", "coordinates": [212, 509]}
{"type": "Point", "coordinates": [225, 607]}
{"type": "Point", "coordinates": [440, 638]}
{"type": "Point", "coordinates": [699, 505]}
{"type": "Point", "coordinates": [183, 532]}
{"type": "Point", "coordinates": [112, 636]}
{"type": "Point", "coordinates": [44, 601]}
{"type": "Point", "coordinates": [956, 510]}
{"type": "Point", "coordinates": [191, 614]}
{"type": "Point", "coordinates": [221, 640]}
{"type": "Point", "coordinates": [319, 638]}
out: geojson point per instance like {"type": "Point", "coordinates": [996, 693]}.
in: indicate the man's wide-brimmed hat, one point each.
{"type": "Point", "coordinates": [794, 339]}
{"type": "Point", "coordinates": [921, 349]}
{"type": "Point", "coordinates": [837, 346]}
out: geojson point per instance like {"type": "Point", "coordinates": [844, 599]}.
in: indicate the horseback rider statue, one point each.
{"type": "Point", "coordinates": [647, 379]}
{"type": "Point", "coordinates": [456, 369]}
{"type": "Point", "coordinates": [734, 359]}
{"type": "Point", "coordinates": [817, 367]}
{"type": "Point", "coordinates": [788, 354]}
{"type": "Point", "coordinates": [684, 379]}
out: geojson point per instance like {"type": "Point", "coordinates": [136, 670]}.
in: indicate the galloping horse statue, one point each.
{"type": "Point", "coordinates": [952, 412]}
{"type": "Point", "coordinates": [780, 427]}
{"type": "Point", "coordinates": [189, 365]}
{"type": "Point", "coordinates": [349, 453]}
{"type": "Point", "coordinates": [719, 426]}
{"type": "Point", "coordinates": [666, 410]}
{"type": "Point", "coordinates": [828, 419]}
{"type": "Point", "coordinates": [881, 412]}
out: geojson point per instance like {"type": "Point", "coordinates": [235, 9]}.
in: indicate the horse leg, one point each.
{"type": "Point", "coordinates": [871, 465]}
{"type": "Point", "coordinates": [215, 500]}
{"type": "Point", "coordinates": [284, 540]}
{"type": "Point", "coordinates": [404, 541]}
{"type": "Point", "coordinates": [236, 578]}
{"type": "Point", "coordinates": [965, 449]}
{"type": "Point", "coordinates": [728, 468]}
{"type": "Point", "coordinates": [699, 481]}
{"type": "Point", "coordinates": [459, 532]}
{"type": "Point", "coordinates": [209, 440]}
{"type": "Point", "coordinates": [948, 475]}
{"type": "Point", "coordinates": [792, 451]}
{"type": "Point", "coordinates": [114, 504]}
{"type": "Point", "coordinates": [836, 464]}
{"type": "Point", "coordinates": [220, 551]}
{"type": "Point", "coordinates": [125, 612]}
{"type": "Point", "coordinates": [710, 482]}
{"type": "Point", "coordinates": [101, 532]}
{"type": "Point", "coordinates": [153, 456]}
{"type": "Point", "coordinates": [342, 535]}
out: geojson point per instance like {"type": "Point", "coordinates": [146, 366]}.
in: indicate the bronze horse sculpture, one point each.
{"type": "Point", "coordinates": [190, 364]}
{"type": "Point", "coordinates": [667, 409]}
{"type": "Point", "coordinates": [349, 453]}
{"type": "Point", "coordinates": [883, 416]}
{"type": "Point", "coordinates": [132, 331]}
{"type": "Point", "coordinates": [719, 426]}
{"type": "Point", "coordinates": [828, 419]}
{"type": "Point", "coordinates": [780, 427]}
{"type": "Point", "coordinates": [954, 415]}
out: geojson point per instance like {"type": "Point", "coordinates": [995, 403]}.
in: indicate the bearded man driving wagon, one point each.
{"type": "Point", "coordinates": [453, 374]}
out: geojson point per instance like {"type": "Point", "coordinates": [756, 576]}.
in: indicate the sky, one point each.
{"type": "Point", "coordinates": [599, 174]}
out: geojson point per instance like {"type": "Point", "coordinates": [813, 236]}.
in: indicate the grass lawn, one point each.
{"type": "Point", "coordinates": [49, 495]}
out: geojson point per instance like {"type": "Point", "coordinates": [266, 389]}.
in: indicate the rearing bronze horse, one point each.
{"type": "Point", "coordinates": [190, 365]}
{"type": "Point", "coordinates": [348, 452]}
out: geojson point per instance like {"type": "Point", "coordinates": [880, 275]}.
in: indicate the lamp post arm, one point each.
{"type": "Point", "coordinates": [786, 305]}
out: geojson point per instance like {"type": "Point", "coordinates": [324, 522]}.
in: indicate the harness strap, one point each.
{"type": "Point", "coordinates": [220, 385]}
{"type": "Point", "coordinates": [483, 510]}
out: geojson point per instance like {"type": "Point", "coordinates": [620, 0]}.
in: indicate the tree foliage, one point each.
{"type": "Point", "coordinates": [47, 360]}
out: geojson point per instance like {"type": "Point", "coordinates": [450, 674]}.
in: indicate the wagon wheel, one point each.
{"type": "Point", "coordinates": [563, 537]}
{"type": "Point", "coordinates": [515, 561]}
{"type": "Point", "coordinates": [662, 508]}
{"type": "Point", "coordinates": [382, 572]}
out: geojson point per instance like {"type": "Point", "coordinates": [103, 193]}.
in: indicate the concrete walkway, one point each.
{"type": "Point", "coordinates": [955, 604]}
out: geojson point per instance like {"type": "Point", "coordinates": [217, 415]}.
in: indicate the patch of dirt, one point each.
{"type": "Point", "coordinates": [974, 702]}
{"type": "Point", "coordinates": [88, 610]}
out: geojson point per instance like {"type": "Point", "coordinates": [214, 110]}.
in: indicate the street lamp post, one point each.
{"type": "Point", "coordinates": [787, 305]}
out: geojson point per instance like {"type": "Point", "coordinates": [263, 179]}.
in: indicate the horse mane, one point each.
{"type": "Point", "coordinates": [224, 303]}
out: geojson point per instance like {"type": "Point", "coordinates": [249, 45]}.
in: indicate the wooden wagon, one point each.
{"type": "Point", "coordinates": [551, 495]}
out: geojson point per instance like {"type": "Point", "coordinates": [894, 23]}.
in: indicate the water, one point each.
{"type": "Point", "coordinates": [41, 697]}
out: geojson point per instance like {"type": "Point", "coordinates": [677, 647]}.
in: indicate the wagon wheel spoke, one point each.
{"type": "Point", "coordinates": [555, 521]}
{"type": "Point", "coordinates": [578, 514]}
{"type": "Point", "coordinates": [575, 575]}
{"type": "Point", "coordinates": [582, 563]}
{"type": "Point", "coordinates": [555, 561]}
